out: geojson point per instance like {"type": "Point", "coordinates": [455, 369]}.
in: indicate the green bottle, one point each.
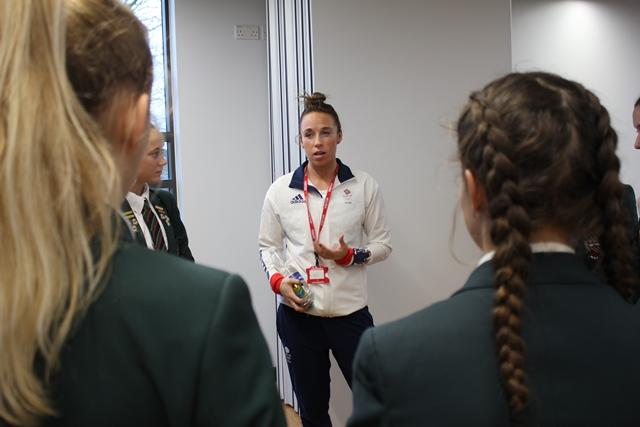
{"type": "Point", "coordinates": [298, 290]}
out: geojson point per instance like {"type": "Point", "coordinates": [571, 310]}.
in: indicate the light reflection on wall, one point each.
{"type": "Point", "coordinates": [593, 42]}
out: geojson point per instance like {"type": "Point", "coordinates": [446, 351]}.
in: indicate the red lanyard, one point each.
{"type": "Point", "coordinates": [325, 207]}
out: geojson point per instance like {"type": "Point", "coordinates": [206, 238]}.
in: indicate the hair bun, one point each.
{"type": "Point", "coordinates": [315, 99]}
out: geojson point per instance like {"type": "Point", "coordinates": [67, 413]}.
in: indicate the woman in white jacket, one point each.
{"type": "Point", "coordinates": [326, 222]}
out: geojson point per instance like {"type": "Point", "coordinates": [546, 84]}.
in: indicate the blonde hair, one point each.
{"type": "Point", "coordinates": [58, 179]}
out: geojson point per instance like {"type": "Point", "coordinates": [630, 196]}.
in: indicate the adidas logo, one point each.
{"type": "Point", "coordinates": [297, 199]}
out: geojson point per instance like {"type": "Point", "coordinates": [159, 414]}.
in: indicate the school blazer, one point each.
{"type": "Point", "coordinates": [629, 201]}
{"type": "Point", "coordinates": [166, 206]}
{"type": "Point", "coordinates": [167, 343]}
{"type": "Point", "coordinates": [438, 367]}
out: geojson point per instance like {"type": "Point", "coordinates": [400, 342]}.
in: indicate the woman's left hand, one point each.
{"type": "Point", "coordinates": [337, 252]}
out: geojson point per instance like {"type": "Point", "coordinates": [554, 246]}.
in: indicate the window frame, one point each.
{"type": "Point", "coordinates": [168, 134]}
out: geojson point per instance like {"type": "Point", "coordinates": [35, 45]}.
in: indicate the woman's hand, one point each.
{"type": "Point", "coordinates": [337, 252]}
{"type": "Point", "coordinates": [286, 290]}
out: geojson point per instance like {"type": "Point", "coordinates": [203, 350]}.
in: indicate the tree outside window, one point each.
{"type": "Point", "coordinates": [154, 14]}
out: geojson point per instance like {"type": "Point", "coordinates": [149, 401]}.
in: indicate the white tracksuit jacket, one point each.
{"type": "Point", "coordinates": [356, 209]}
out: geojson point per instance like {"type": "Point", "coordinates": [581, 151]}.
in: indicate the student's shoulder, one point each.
{"type": "Point", "coordinates": [426, 320]}
{"type": "Point", "coordinates": [447, 326]}
{"type": "Point", "coordinates": [165, 197]}
{"type": "Point", "coordinates": [140, 273]}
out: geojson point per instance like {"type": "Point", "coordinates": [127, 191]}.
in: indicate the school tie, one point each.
{"type": "Point", "coordinates": [154, 227]}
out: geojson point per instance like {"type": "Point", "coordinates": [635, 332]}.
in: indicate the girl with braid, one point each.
{"type": "Point", "coordinates": [534, 338]}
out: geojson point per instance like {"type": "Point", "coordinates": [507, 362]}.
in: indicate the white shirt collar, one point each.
{"type": "Point", "coordinates": [536, 247]}
{"type": "Point", "coordinates": [137, 202]}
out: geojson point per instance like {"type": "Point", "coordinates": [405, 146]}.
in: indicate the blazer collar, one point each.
{"type": "Point", "coordinates": [547, 268]}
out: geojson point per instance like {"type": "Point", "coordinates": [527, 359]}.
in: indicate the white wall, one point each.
{"type": "Point", "coordinates": [398, 73]}
{"type": "Point", "coordinates": [593, 42]}
{"type": "Point", "coordinates": [223, 138]}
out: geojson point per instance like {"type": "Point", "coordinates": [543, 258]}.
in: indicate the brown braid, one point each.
{"type": "Point", "coordinates": [617, 259]}
{"type": "Point", "coordinates": [510, 229]}
{"type": "Point", "coordinates": [543, 150]}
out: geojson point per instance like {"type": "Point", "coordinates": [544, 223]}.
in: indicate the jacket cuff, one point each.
{"type": "Point", "coordinates": [347, 259]}
{"type": "Point", "coordinates": [275, 282]}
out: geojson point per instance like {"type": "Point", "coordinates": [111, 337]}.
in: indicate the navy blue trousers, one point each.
{"type": "Point", "coordinates": [307, 341]}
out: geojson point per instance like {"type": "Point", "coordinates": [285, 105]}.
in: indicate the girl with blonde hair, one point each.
{"type": "Point", "coordinates": [95, 330]}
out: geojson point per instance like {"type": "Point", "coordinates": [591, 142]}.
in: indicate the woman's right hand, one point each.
{"type": "Point", "coordinates": [286, 290]}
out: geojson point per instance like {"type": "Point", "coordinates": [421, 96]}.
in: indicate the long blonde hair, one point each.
{"type": "Point", "coordinates": [63, 65]}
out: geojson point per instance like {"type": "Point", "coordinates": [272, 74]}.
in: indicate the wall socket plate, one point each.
{"type": "Point", "coordinates": [247, 32]}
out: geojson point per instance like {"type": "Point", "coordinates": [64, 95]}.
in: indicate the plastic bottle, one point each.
{"type": "Point", "coordinates": [302, 289]}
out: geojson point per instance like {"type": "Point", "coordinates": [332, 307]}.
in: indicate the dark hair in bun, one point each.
{"type": "Point", "coordinates": [315, 99]}
{"type": "Point", "coordinates": [314, 103]}
{"type": "Point", "coordinates": [637, 103]}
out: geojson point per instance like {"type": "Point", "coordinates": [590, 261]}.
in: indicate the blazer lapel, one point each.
{"type": "Point", "coordinates": [166, 223]}
{"type": "Point", "coordinates": [127, 212]}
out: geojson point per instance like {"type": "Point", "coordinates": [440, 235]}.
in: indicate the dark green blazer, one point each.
{"type": "Point", "coordinates": [166, 206]}
{"type": "Point", "coordinates": [167, 343]}
{"type": "Point", "coordinates": [438, 367]}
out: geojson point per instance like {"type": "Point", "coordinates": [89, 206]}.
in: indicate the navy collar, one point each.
{"type": "Point", "coordinates": [297, 180]}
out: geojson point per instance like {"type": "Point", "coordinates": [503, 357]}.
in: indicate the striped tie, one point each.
{"type": "Point", "coordinates": [154, 227]}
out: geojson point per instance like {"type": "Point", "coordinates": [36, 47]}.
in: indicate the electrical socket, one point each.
{"type": "Point", "coordinates": [247, 32]}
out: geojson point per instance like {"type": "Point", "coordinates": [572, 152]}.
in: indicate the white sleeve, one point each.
{"type": "Point", "coordinates": [375, 225]}
{"type": "Point", "coordinates": [270, 237]}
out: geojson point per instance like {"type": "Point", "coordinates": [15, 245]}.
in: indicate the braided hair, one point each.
{"type": "Point", "coordinates": [543, 150]}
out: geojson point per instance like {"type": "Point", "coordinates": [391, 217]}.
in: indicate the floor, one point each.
{"type": "Point", "coordinates": [293, 419]}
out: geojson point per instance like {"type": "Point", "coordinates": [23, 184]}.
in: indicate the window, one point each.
{"type": "Point", "coordinates": [154, 14]}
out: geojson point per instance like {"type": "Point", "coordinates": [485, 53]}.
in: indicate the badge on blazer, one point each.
{"type": "Point", "coordinates": [131, 217]}
{"type": "Point", "coordinates": [593, 248]}
{"type": "Point", "coordinates": [163, 215]}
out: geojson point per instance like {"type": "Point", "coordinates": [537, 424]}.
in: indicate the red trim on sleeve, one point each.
{"type": "Point", "coordinates": [346, 260]}
{"type": "Point", "coordinates": [275, 282]}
